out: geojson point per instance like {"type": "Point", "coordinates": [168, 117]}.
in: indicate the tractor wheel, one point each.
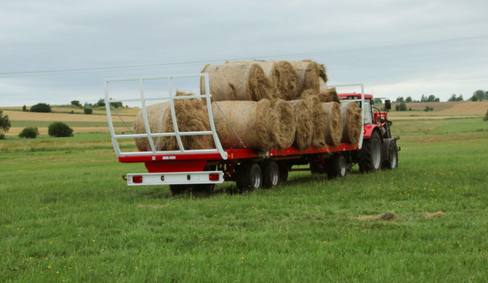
{"type": "Point", "coordinates": [271, 174]}
{"type": "Point", "coordinates": [370, 154]}
{"type": "Point", "coordinates": [336, 166]}
{"type": "Point", "coordinates": [392, 162]}
{"type": "Point", "coordinates": [249, 176]}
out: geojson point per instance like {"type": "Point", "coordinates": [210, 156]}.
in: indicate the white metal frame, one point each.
{"type": "Point", "coordinates": [360, 144]}
{"type": "Point", "coordinates": [176, 133]}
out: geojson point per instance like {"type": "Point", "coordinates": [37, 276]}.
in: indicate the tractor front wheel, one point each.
{"type": "Point", "coordinates": [370, 154]}
{"type": "Point", "coordinates": [392, 162]}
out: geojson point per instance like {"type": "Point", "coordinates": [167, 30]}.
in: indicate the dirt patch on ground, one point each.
{"type": "Point", "coordinates": [437, 214]}
{"type": "Point", "coordinates": [387, 216]}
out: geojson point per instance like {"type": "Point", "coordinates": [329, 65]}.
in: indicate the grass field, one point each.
{"type": "Point", "coordinates": [67, 216]}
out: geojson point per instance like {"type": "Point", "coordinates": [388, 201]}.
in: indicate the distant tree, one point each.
{"type": "Point", "coordinates": [76, 103]}
{"type": "Point", "coordinates": [403, 106]}
{"type": "Point", "coordinates": [88, 110]}
{"type": "Point", "coordinates": [474, 98]}
{"type": "Point", "coordinates": [397, 107]}
{"type": "Point", "coordinates": [101, 102]}
{"type": "Point", "coordinates": [119, 104]}
{"type": "Point", "coordinates": [5, 124]}
{"type": "Point", "coordinates": [431, 98]}
{"type": "Point", "coordinates": [409, 99]}
{"type": "Point", "coordinates": [423, 99]}
{"type": "Point", "coordinates": [41, 107]}
{"type": "Point", "coordinates": [59, 129]}
{"type": "Point", "coordinates": [460, 98]}
{"type": "Point", "coordinates": [431, 108]}
{"type": "Point", "coordinates": [29, 133]}
{"type": "Point", "coordinates": [409, 109]}
{"type": "Point", "coordinates": [400, 99]}
{"type": "Point", "coordinates": [479, 94]}
{"type": "Point", "coordinates": [24, 108]}
{"type": "Point", "coordinates": [427, 109]}
{"type": "Point", "coordinates": [437, 99]}
{"type": "Point", "coordinates": [377, 101]}
{"type": "Point", "coordinates": [453, 97]}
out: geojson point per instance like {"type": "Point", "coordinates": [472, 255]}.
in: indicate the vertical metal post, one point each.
{"type": "Point", "coordinates": [216, 139]}
{"type": "Point", "coordinates": [360, 145]}
{"type": "Point", "coordinates": [173, 114]}
{"type": "Point", "coordinates": [144, 115]}
{"type": "Point", "coordinates": [115, 142]}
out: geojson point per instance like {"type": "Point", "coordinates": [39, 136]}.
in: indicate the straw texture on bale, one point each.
{"type": "Point", "coordinates": [304, 123]}
{"type": "Point", "coordinates": [250, 120]}
{"type": "Point", "coordinates": [318, 119]}
{"type": "Point", "coordinates": [351, 122]}
{"type": "Point", "coordinates": [283, 125]}
{"type": "Point", "coordinates": [329, 95]}
{"type": "Point", "coordinates": [281, 74]}
{"type": "Point", "coordinates": [238, 82]}
{"type": "Point", "coordinates": [191, 115]}
{"type": "Point", "coordinates": [309, 73]}
{"type": "Point", "coordinates": [333, 123]}
{"type": "Point", "coordinates": [323, 86]}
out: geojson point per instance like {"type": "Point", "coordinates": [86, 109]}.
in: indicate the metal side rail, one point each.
{"type": "Point", "coordinates": [180, 178]}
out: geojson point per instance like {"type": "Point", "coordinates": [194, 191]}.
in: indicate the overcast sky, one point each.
{"type": "Point", "coordinates": [53, 35]}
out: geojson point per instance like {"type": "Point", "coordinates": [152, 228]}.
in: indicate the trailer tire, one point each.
{"type": "Point", "coordinates": [370, 155]}
{"type": "Point", "coordinates": [178, 189]}
{"type": "Point", "coordinates": [249, 176]}
{"type": "Point", "coordinates": [336, 166]}
{"type": "Point", "coordinates": [283, 174]}
{"type": "Point", "coordinates": [271, 174]}
{"type": "Point", "coordinates": [392, 161]}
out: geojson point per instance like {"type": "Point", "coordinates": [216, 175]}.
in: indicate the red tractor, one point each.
{"type": "Point", "coordinates": [379, 149]}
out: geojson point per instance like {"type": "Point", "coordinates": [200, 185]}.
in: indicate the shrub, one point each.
{"type": "Point", "coordinates": [88, 110]}
{"type": "Point", "coordinates": [76, 103]}
{"type": "Point", "coordinates": [5, 124]}
{"type": "Point", "coordinates": [41, 107]}
{"type": "Point", "coordinates": [410, 109]}
{"type": "Point", "coordinates": [427, 109]}
{"type": "Point", "coordinates": [397, 107]}
{"type": "Point", "coordinates": [431, 109]}
{"type": "Point", "coordinates": [24, 108]}
{"type": "Point", "coordinates": [60, 129]}
{"type": "Point", "coordinates": [403, 106]}
{"type": "Point", "coordinates": [29, 133]}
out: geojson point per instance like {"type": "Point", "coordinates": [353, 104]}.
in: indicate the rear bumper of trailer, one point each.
{"type": "Point", "coordinates": [180, 178]}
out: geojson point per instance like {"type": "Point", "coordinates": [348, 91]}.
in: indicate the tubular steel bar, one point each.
{"type": "Point", "coordinates": [151, 155]}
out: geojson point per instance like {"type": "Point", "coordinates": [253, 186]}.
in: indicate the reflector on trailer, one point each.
{"type": "Point", "coordinates": [137, 179]}
{"type": "Point", "coordinates": [213, 177]}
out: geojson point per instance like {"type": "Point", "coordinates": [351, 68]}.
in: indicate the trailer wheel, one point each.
{"type": "Point", "coordinates": [178, 189]}
{"type": "Point", "coordinates": [283, 174]}
{"type": "Point", "coordinates": [249, 176]}
{"type": "Point", "coordinates": [392, 162]}
{"type": "Point", "coordinates": [271, 174]}
{"type": "Point", "coordinates": [336, 166]}
{"type": "Point", "coordinates": [370, 154]}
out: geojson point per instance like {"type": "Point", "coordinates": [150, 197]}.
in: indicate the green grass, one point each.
{"type": "Point", "coordinates": [67, 210]}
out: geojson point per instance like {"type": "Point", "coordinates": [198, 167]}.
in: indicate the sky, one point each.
{"type": "Point", "coordinates": [394, 47]}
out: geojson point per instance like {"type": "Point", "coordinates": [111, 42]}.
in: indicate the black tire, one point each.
{"type": "Point", "coordinates": [336, 166]}
{"type": "Point", "coordinates": [283, 174]}
{"type": "Point", "coordinates": [370, 155]}
{"type": "Point", "coordinates": [179, 189]}
{"type": "Point", "coordinates": [271, 174]}
{"type": "Point", "coordinates": [249, 176]}
{"type": "Point", "coordinates": [316, 168]}
{"type": "Point", "coordinates": [392, 161]}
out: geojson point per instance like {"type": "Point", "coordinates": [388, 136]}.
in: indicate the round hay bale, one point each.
{"type": "Point", "coordinates": [250, 120]}
{"type": "Point", "coordinates": [309, 73]}
{"type": "Point", "coordinates": [329, 95]}
{"type": "Point", "coordinates": [323, 86]}
{"type": "Point", "coordinates": [281, 74]}
{"type": "Point", "coordinates": [238, 82]}
{"type": "Point", "coordinates": [191, 115]}
{"type": "Point", "coordinates": [333, 123]}
{"type": "Point", "coordinates": [304, 123]}
{"type": "Point", "coordinates": [283, 125]}
{"type": "Point", "coordinates": [318, 119]}
{"type": "Point", "coordinates": [351, 122]}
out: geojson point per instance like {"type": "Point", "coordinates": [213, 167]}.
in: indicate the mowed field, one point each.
{"type": "Point", "coordinates": [67, 216]}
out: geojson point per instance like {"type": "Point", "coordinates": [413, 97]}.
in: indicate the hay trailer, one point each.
{"type": "Point", "coordinates": [202, 169]}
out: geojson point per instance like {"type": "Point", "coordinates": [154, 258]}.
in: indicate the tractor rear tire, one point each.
{"type": "Point", "coordinates": [271, 174]}
{"type": "Point", "coordinates": [370, 155]}
{"type": "Point", "coordinates": [336, 166]}
{"type": "Point", "coordinates": [392, 162]}
{"type": "Point", "coordinates": [249, 176]}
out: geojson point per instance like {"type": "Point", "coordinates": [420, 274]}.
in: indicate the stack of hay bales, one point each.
{"type": "Point", "coordinates": [258, 105]}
